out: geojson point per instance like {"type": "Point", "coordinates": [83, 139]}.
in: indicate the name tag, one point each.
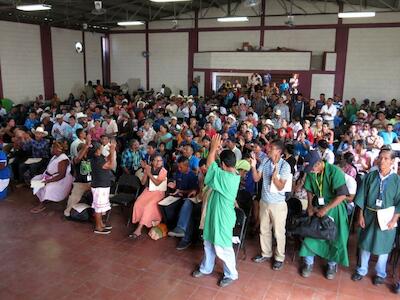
{"type": "Point", "coordinates": [89, 177]}
{"type": "Point", "coordinates": [378, 203]}
{"type": "Point", "coordinates": [321, 201]}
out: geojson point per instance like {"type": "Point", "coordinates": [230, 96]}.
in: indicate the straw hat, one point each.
{"type": "Point", "coordinates": [39, 130]}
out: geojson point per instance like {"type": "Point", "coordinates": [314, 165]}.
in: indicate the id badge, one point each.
{"type": "Point", "coordinates": [321, 201]}
{"type": "Point", "coordinates": [89, 177]}
{"type": "Point", "coordinates": [378, 203]}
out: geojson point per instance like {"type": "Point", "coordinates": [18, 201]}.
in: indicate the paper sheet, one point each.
{"type": "Point", "coordinates": [30, 161]}
{"type": "Point", "coordinates": [286, 188]}
{"type": "Point", "coordinates": [385, 216]}
{"type": "Point", "coordinates": [79, 207]}
{"type": "Point", "coordinates": [168, 200]}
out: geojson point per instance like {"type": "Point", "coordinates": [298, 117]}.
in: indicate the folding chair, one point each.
{"type": "Point", "coordinates": [127, 190]}
{"type": "Point", "coordinates": [239, 232]}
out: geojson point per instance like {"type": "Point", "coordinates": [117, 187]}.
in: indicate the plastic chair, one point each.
{"type": "Point", "coordinates": [239, 232]}
{"type": "Point", "coordinates": [127, 190]}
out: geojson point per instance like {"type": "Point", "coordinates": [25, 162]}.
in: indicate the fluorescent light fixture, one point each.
{"type": "Point", "coordinates": [357, 14]}
{"type": "Point", "coordinates": [33, 7]}
{"type": "Point", "coordinates": [130, 23]}
{"type": "Point", "coordinates": [165, 1]}
{"type": "Point", "coordinates": [233, 19]}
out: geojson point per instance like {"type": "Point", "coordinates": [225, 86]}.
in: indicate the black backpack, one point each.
{"type": "Point", "coordinates": [314, 227]}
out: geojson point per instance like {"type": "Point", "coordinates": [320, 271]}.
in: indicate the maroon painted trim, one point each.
{"type": "Point", "coordinates": [1, 84]}
{"type": "Point", "coordinates": [147, 57]}
{"type": "Point", "coordinates": [47, 61]}
{"type": "Point", "coordinates": [269, 51]}
{"type": "Point", "coordinates": [262, 23]}
{"type": "Point", "coordinates": [84, 57]}
{"type": "Point", "coordinates": [341, 41]}
{"type": "Point", "coordinates": [193, 47]}
{"type": "Point", "coordinates": [264, 70]}
{"type": "Point", "coordinates": [207, 83]}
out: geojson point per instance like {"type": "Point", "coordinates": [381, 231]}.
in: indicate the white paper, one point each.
{"type": "Point", "coordinates": [168, 200]}
{"type": "Point", "coordinates": [286, 188]}
{"type": "Point", "coordinates": [385, 216]}
{"type": "Point", "coordinates": [37, 184]}
{"type": "Point", "coordinates": [30, 161]}
{"type": "Point", "coordinates": [195, 200]}
{"type": "Point", "coordinates": [161, 187]}
{"type": "Point", "coordinates": [79, 207]}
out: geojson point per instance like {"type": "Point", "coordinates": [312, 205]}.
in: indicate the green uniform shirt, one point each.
{"type": "Point", "coordinates": [333, 179]}
{"type": "Point", "coordinates": [371, 238]}
{"type": "Point", "coordinates": [220, 215]}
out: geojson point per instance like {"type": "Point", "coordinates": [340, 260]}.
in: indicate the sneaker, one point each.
{"type": "Point", "coordinates": [278, 265]}
{"type": "Point", "coordinates": [108, 227]}
{"type": "Point", "coordinates": [259, 259]}
{"type": "Point", "coordinates": [331, 272]}
{"type": "Point", "coordinates": [177, 232]}
{"type": "Point", "coordinates": [104, 231]}
{"type": "Point", "coordinates": [356, 277]}
{"type": "Point", "coordinates": [183, 245]}
{"type": "Point", "coordinates": [198, 274]}
{"type": "Point", "coordinates": [306, 270]}
{"type": "Point", "coordinates": [225, 282]}
{"type": "Point", "coordinates": [396, 288]}
{"type": "Point", "coordinates": [377, 280]}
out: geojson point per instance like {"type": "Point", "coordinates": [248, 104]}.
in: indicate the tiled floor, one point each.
{"type": "Point", "coordinates": [45, 257]}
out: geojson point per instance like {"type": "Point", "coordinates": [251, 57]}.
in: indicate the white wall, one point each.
{"type": "Point", "coordinates": [316, 40]}
{"type": "Point", "coordinates": [169, 60]}
{"type": "Point", "coordinates": [67, 63]}
{"type": "Point", "coordinates": [373, 64]}
{"type": "Point", "coordinates": [322, 83]}
{"type": "Point", "coordinates": [21, 61]}
{"type": "Point", "coordinates": [93, 56]}
{"type": "Point", "coordinates": [127, 61]}
{"type": "Point", "coordinates": [227, 40]}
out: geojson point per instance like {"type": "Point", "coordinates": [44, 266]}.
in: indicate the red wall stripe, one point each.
{"type": "Point", "coordinates": [47, 60]}
{"type": "Point", "coordinates": [342, 36]}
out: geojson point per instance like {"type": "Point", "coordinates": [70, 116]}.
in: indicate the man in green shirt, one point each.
{"type": "Point", "coordinates": [220, 214]}
{"type": "Point", "coordinates": [326, 191]}
{"type": "Point", "coordinates": [379, 189]}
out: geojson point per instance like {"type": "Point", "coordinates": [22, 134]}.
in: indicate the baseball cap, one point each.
{"type": "Point", "coordinates": [310, 160]}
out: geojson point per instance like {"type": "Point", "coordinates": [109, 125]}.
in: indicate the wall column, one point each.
{"type": "Point", "coordinates": [342, 36]}
{"type": "Point", "coordinates": [262, 23]}
{"type": "Point", "coordinates": [105, 59]}
{"type": "Point", "coordinates": [193, 47]}
{"type": "Point", "coordinates": [147, 58]}
{"type": "Point", "coordinates": [47, 60]}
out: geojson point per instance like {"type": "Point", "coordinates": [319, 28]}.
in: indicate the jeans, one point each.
{"type": "Point", "coordinates": [185, 219]}
{"type": "Point", "coordinates": [309, 260]}
{"type": "Point", "coordinates": [380, 266]}
{"type": "Point", "coordinates": [227, 255]}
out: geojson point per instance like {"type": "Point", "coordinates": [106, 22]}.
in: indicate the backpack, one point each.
{"type": "Point", "coordinates": [81, 212]}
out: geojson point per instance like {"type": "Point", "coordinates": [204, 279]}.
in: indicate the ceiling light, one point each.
{"type": "Point", "coordinates": [233, 19]}
{"type": "Point", "coordinates": [130, 23]}
{"type": "Point", "coordinates": [164, 1]}
{"type": "Point", "coordinates": [357, 14]}
{"type": "Point", "coordinates": [33, 7]}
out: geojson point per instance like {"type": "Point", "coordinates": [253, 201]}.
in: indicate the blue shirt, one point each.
{"type": "Point", "coordinates": [30, 123]}
{"type": "Point", "coordinates": [283, 87]}
{"type": "Point", "coordinates": [388, 138]}
{"type": "Point", "coordinates": [267, 169]}
{"type": "Point", "coordinates": [300, 149]}
{"type": "Point", "coordinates": [188, 181]}
{"type": "Point", "coordinates": [194, 162]}
{"type": "Point", "coordinates": [5, 172]}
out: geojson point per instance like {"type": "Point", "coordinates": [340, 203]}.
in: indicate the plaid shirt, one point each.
{"type": "Point", "coordinates": [40, 149]}
{"type": "Point", "coordinates": [131, 160]}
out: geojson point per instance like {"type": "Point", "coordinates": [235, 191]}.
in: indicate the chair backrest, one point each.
{"type": "Point", "coordinates": [129, 183]}
{"type": "Point", "coordinates": [240, 217]}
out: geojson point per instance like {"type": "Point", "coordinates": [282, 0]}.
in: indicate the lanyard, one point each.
{"type": "Point", "coordinates": [320, 183]}
{"type": "Point", "coordinates": [382, 184]}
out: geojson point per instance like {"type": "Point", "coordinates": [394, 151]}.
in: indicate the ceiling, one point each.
{"type": "Point", "coordinates": [74, 13]}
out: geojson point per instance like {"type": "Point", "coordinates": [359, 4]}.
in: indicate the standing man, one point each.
{"type": "Point", "coordinates": [273, 209]}
{"type": "Point", "coordinates": [379, 189]}
{"type": "Point", "coordinates": [326, 184]}
{"type": "Point", "coordinates": [220, 214]}
{"type": "Point", "coordinates": [328, 112]}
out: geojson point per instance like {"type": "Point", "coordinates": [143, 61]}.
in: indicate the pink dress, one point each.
{"type": "Point", "coordinates": [146, 210]}
{"type": "Point", "coordinates": [59, 190]}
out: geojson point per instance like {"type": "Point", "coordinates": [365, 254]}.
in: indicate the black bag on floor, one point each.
{"type": "Point", "coordinates": [314, 227]}
{"type": "Point", "coordinates": [81, 212]}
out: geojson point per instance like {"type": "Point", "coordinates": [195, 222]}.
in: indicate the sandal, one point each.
{"type": "Point", "coordinates": [134, 236]}
{"type": "Point", "coordinates": [38, 209]}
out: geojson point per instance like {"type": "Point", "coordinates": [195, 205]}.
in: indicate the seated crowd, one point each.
{"type": "Point", "coordinates": [198, 159]}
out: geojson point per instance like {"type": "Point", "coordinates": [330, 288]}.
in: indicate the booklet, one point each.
{"type": "Point", "coordinates": [385, 215]}
{"type": "Point", "coordinates": [168, 200]}
{"type": "Point", "coordinates": [30, 161]}
{"type": "Point", "coordinates": [286, 188]}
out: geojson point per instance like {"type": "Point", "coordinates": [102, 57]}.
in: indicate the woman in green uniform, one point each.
{"type": "Point", "coordinates": [220, 214]}
{"type": "Point", "coordinates": [379, 189]}
{"type": "Point", "coordinates": [326, 184]}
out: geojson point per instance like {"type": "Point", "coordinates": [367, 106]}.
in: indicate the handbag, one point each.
{"type": "Point", "coordinates": [314, 227]}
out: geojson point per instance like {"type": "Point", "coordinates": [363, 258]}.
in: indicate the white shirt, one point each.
{"type": "Point", "coordinates": [59, 131]}
{"type": "Point", "coordinates": [296, 127]}
{"type": "Point", "coordinates": [351, 184]}
{"type": "Point", "coordinates": [332, 110]}
{"type": "Point", "coordinates": [74, 147]}
{"type": "Point", "coordinates": [112, 128]}
{"type": "Point", "coordinates": [3, 112]}
{"type": "Point", "coordinates": [328, 156]}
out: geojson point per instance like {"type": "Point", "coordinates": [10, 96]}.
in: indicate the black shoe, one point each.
{"type": "Point", "coordinates": [259, 259]}
{"type": "Point", "coordinates": [306, 270]}
{"type": "Point", "coordinates": [177, 232]}
{"type": "Point", "coordinates": [225, 282]}
{"type": "Point", "coordinates": [331, 272]}
{"type": "Point", "coordinates": [377, 280]}
{"type": "Point", "coordinates": [356, 277]}
{"type": "Point", "coordinates": [278, 265]}
{"type": "Point", "coordinates": [396, 288]}
{"type": "Point", "coordinates": [198, 274]}
{"type": "Point", "coordinates": [183, 245]}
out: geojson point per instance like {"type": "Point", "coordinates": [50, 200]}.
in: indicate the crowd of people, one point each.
{"type": "Point", "coordinates": [253, 147]}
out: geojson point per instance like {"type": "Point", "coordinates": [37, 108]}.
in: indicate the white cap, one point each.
{"type": "Point", "coordinates": [232, 117]}
{"type": "Point", "coordinates": [269, 122]}
{"type": "Point", "coordinates": [59, 116]}
{"type": "Point", "coordinates": [278, 112]}
{"type": "Point", "coordinates": [242, 100]}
